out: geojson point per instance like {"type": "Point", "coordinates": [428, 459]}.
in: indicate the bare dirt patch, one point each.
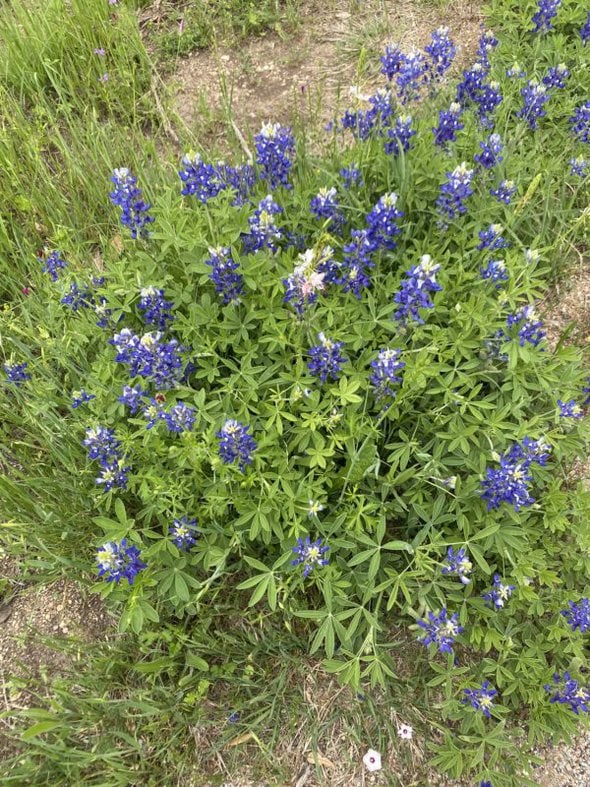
{"type": "Point", "coordinates": [307, 76]}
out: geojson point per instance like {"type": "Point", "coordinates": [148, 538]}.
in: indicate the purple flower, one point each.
{"type": "Point", "coordinates": [580, 122]}
{"type": "Point", "coordinates": [471, 85]}
{"type": "Point", "coordinates": [228, 282]}
{"type": "Point", "coordinates": [481, 699]}
{"type": "Point", "coordinates": [492, 238]}
{"type": "Point", "coordinates": [274, 147]}
{"type": "Point", "coordinates": [126, 195]}
{"type": "Point", "coordinates": [399, 136]}
{"type": "Point", "coordinates": [530, 328]}
{"type": "Point", "coordinates": [352, 176]}
{"type": "Point", "coordinates": [441, 50]}
{"type": "Point", "coordinates": [99, 51]}
{"type": "Point", "coordinates": [413, 293]}
{"type": "Point", "coordinates": [104, 77]}
{"type": "Point", "coordinates": [570, 409]}
{"type": "Point", "coordinates": [441, 630]}
{"type": "Point", "coordinates": [411, 75]}
{"type": "Point", "coordinates": [236, 443]}
{"type": "Point", "coordinates": [310, 554]}
{"type": "Point", "coordinates": [200, 179]}
{"type": "Point", "coordinates": [516, 71]}
{"type": "Point", "coordinates": [102, 444]}
{"type": "Point", "coordinates": [157, 310]}
{"type": "Point", "coordinates": [568, 691]}
{"type": "Point", "coordinates": [180, 418]}
{"type": "Point", "coordinates": [53, 263]}
{"type": "Point", "coordinates": [487, 99]}
{"type": "Point", "coordinates": [17, 373]}
{"type": "Point", "coordinates": [458, 563]}
{"type": "Point", "coordinates": [385, 376]}
{"type": "Point", "coordinates": [556, 76]}
{"type": "Point", "coordinates": [150, 357]}
{"type": "Point", "coordinates": [153, 412]}
{"type": "Point", "coordinates": [585, 30]}
{"type": "Point", "coordinates": [325, 206]}
{"type": "Point", "coordinates": [132, 397]}
{"type": "Point", "coordinates": [449, 123]}
{"type": "Point", "coordinates": [505, 191]}
{"type": "Point", "coordinates": [392, 61]}
{"type": "Point", "coordinates": [535, 96]}
{"type": "Point", "coordinates": [119, 561]}
{"type": "Point", "coordinates": [357, 262]}
{"type": "Point", "coordinates": [579, 166]}
{"type": "Point", "coordinates": [240, 179]}
{"type": "Point", "coordinates": [326, 359]}
{"type": "Point", "coordinates": [509, 484]}
{"type": "Point", "coordinates": [542, 18]}
{"type": "Point", "coordinates": [578, 615]}
{"type": "Point", "coordinates": [184, 533]}
{"type": "Point", "coordinates": [114, 475]}
{"type": "Point", "coordinates": [487, 42]}
{"type": "Point", "coordinates": [79, 397]}
{"type": "Point", "coordinates": [382, 222]}
{"type": "Point", "coordinates": [500, 593]}
{"type": "Point", "coordinates": [495, 271]}
{"type": "Point", "coordinates": [453, 193]}
{"type": "Point", "coordinates": [314, 270]}
{"type": "Point", "coordinates": [491, 152]}
{"type": "Point", "coordinates": [263, 231]}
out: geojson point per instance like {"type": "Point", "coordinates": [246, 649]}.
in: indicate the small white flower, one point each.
{"type": "Point", "coordinates": [405, 732]}
{"type": "Point", "coordinates": [372, 760]}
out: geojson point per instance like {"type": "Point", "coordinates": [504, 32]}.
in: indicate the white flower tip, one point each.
{"type": "Point", "coordinates": [372, 760]}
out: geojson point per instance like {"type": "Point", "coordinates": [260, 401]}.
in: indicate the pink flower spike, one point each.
{"type": "Point", "coordinates": [99, 51]}
{"type": "Point", "coordinates": [372, 760]}
{"type": "Point", "coordinates": [405, 732]}
{"type": "Point", "coordinates": [103, 78]}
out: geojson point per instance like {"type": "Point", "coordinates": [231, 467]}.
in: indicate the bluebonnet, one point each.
{"type": "Point", "coordinates": [440, 629]}
{"type": "Point", "coordinates": [413, 294]}
{"type": "Point", "coordinates": [79, 397]}
{"type": "Point", "coordinates": [495, 271]}
{"type": "Point", "coordinates": [119, 561]}
{"type": "Point", "coordinates": [441, 50]}
{"type": "Point", "coordinates": [570, 409]}
{"type": "Point", "coordinates": [126, 195]}
{"type": "Point", "coordinates": [579, 166]}
{"type": "Point", "coordinates": [487, 99]}
{"type": "Point", "coordinates": [585, 30]}
{"type": "Point", "coordinates": [263, 231]}
{"type": "Point", "coordinates": [381, 106]}
{"type": "Point", "coordinates": [156, 309]}
{"type": "Point", "coordinates": [453, 193]}
{"type": "Point", "coordinates": [132, 397]}
{"type": "Point", "coordinates": [314, 270]}
{"type": "Point", "coordinates": [392, 61]}
{"type": "Point", "coordinates": [236, 443]}
{"type": "Point", "coordinates": [153, 412]}
{"type": "Point", "coordinates": [449, 123]}
{"type": "Point", "coordinates": [534, 97]}
{"type": "Point", "coordinates": [492, 238]}
{"type": "Point", "coordinates": [473, 81]}
{"type": "Point", "coordinates": [357, 262]}
{"type": "Point", "coordinates": [352, 176]}
{"type": "Point", "coordinates": [411, 75]}
{"type": "Point", "coordinates": [382, 221]}
{"type": "Point", "coordinates": [78, 297]}
{"type": "Point", "coordinates": [399, 136]}
{"type": "Point", "coordinates": [326, 359]}
{"type": "Point", "coordinates": [150, 357]}
{"type": "Point", "coordinates": [578, 615]}
{"type": "Point", "coordinates": [17, 373]}
{"type": "Point", "coordinates": [224, 275]}
{"type": "Point", "coordinates": [510, 482]}
{"type": "Point", "coordinates": [504, 192]}
{"type": "Point", "coordinates": [458, 563]}
{"type": "Point", "coordinates": [542, 18]}
{"type": "Point", "coordinates": [568, 691]}
{"type": "Point", "coordinates": [102, 444]}
{"type": "Point", "coordinates": [516, 71]}
{"type": "Point", "coordinates": [385, 372]}
{"type": "Point", "coordinates": [500, 593]}
{"type": "Point", "coordinates": [200, 179]}
{"type": "Point", "coordinates": [530, 328]}
{"type": "Point", "coordinates": [274, 147]}
{"type": "Point", "coordinates": [556, 76]}
{"type": "Point", "coordinates": [184, 532]}
{"type": "Point", "coordinates": [580, 122]}
{"type": "Point", "coordinates": [482, 698]}
{"type": "Point", "coordinates": [487, 42]}
{"type": "Point", "coordinates": [52, 264]}
{"type": "Point", "coordinates": [491, 152]}
{"type": "Point", "coordinates": [240, 179]}
{"type": "Point", "coordinates": [310, 554]}
{"type": "Point", "coordinates": [360, 122]}
{"type": "Point", "coordinates": [325, 206]}
{"type": "Point", "coordinates": [180, 418]}
{"type": "Point", "coordinates": [114, 474]}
